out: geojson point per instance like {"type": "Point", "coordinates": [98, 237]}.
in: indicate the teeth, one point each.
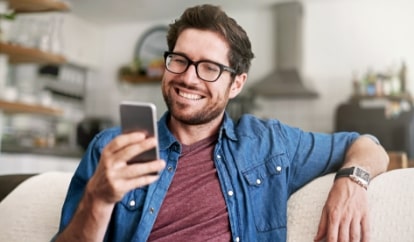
{"type": "Point", "coordinates": [190, 96]}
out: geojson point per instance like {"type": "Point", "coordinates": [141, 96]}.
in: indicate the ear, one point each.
{"type": "Point", "coordinates": [237, 85]}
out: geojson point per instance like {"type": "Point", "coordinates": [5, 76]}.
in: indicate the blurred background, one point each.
{"type": "Point", "coordinates": [321, 65]}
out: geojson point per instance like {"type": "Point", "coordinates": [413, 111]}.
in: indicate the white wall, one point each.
{"type": "Point", "coordinates": [341, 36]}
{"type": "Point", "coordinates": [105, 90]}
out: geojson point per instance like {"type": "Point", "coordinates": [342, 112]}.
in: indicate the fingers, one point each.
{"type": "Point", "coordinates": [138, 173]}
{"type": "Point", "coordinates": [137, 170]}
{"type": "Point", "coordinates": [332, 228]}
{"type": "Point", "coordinates": [124, 147]}
{"type": "Point", "coordinates": [124, 140]}
{"type": "Point", "coordinates": [128, 152]}
{"type": "Point", "coordinates": [114, 176]}
{"type": "Point", "coordinates": [347, 231]}
{"type": "Point", "coordinates": [322, 227]}
{"type": "Point", "coordinates": [365, 229]}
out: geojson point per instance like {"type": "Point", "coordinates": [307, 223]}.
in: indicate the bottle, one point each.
{"type": "Point", "coordinates": [56, 35]}
{"type": "Point", "coordinates": [356, 85]}
{"type": "Point", "coordinates": [402, 75]}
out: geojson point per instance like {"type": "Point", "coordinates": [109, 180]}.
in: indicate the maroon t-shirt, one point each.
{"type": "Point", "coordinates": [194, 208]}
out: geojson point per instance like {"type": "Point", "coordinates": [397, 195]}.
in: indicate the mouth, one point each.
{"type": "Point", "coordinates": [189, 96]}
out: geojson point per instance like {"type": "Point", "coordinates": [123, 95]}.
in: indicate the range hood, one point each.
{"type": "Point", "coordinates": [285, 81]}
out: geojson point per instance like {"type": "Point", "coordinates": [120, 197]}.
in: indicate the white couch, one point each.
{"type": "Point", "coordinates": [31, 212]}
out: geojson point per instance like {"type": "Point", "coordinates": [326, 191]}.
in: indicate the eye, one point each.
{"type": "Point", "coordinates": [176, 59]}
{"type": "Point", "coordinates": [209, 67]}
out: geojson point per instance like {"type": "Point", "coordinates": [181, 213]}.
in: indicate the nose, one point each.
{"type": "Point", "coordinates": [190, 75]}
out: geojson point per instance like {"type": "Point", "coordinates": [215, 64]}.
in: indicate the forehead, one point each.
{"type": "Point", "coordinates": [202, 44]}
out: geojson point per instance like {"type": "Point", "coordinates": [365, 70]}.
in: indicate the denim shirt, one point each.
{"type": "Point", "coordinates": [260, 163]}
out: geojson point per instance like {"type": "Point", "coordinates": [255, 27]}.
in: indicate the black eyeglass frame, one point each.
{"type": "Point", "coordinates": [195, 63]}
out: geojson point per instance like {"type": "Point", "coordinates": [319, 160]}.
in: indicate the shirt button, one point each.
{"type": "Point", "coordinates": [258, 181]}
{"type": "Point", "coordinates": [170, 168]}
{"type": "Point", "coordinates": [278, 168]}
{"type": "Point", "coordinates": [230, 193]}
{"type": "Point", "coordinates": [237, 239]}
{"type": "Point", "coordinates": [151, 210]}
{"type": "Point", "coordinates": [132, 203]}
{"type": "Point", "coordinates": [218, 157]}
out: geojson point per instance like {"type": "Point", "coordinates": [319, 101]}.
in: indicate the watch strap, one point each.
{"type": "Point", "coordinates": [345, 172]}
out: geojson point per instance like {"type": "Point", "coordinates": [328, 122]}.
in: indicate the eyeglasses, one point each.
{"type": "Point", "coordinates": [206, 70]}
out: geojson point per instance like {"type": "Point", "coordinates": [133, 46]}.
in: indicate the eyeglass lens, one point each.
{"type": "Point", "coordinates": [206, 70]}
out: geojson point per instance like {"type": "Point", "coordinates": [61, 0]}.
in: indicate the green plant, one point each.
{"type": "Point", "coordinates": [10, 15]}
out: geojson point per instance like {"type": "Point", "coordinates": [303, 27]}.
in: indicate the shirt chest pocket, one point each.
{"type": "Point", "coordinates": [134, 200]}
{"type": "Point", "coordinates": [267, 188]}
{"type": "Point", "coordinates": [127, 215]}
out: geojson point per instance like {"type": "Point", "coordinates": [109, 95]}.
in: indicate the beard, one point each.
{"type": "Point", "coordinates": [203, 115]}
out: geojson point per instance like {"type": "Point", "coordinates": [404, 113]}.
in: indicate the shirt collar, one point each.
{"type": "Point", "coordinates": [167, 139]}
{"type": "Point", "coordinates": [227, 128]}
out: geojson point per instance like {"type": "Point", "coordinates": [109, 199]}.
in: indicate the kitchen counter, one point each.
{"type": "Point", "coordinates": [16, 163]}
{"type": "Point", "coordinates": [60, 151]}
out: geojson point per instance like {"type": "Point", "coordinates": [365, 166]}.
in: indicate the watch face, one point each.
{"type": "Point", "coordinates": [362, 174]}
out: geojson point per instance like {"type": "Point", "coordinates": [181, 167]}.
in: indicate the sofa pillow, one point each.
{"type": "Point", "coordinates": [32, 211]}
{"type": "Point", "coordinates": [391, 199]}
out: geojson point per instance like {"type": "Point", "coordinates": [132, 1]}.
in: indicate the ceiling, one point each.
{"type": "Point", "coordinates": [110, 11]}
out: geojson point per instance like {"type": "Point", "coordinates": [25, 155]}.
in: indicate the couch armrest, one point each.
{"type": "Point", "coordinates": [9, 182]}
{"type": "Point", "coordinates": [391, 198]}
{"type": "Point", "coordinates": [31, 212]}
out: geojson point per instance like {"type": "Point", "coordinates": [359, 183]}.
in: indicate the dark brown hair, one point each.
{"type": "Point", "coordinates": [212, 18]}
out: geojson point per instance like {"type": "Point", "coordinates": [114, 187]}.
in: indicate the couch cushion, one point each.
{"type": "Point", "coordinates": [32, 211]}
{"type": "Point", "coordinates": [391, 198]}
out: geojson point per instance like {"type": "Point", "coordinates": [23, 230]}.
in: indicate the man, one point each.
{"type": "Point", "coordinates": [218, 180]}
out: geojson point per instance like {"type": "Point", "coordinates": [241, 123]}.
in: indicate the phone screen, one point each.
{"type": "Point", "coordinates": [139, 116]}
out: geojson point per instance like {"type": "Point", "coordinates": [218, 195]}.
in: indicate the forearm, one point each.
{"type": "Point", "coordinates": [89, 222]}
{"type": "Point", "coordinates": [367, 154]}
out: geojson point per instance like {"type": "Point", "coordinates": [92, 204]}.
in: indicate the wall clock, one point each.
{"type": "Point", "coordinates": [150, 49]}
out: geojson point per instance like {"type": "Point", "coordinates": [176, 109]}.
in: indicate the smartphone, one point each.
{"type": "Point", "coordinates": [140, 116]}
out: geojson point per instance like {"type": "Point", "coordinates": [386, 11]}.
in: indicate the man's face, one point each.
{"type": "Point", "coordinates": [190, 99]}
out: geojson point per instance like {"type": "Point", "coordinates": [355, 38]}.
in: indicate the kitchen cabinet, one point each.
{"type": "Point", "coordinates": [21, 54]}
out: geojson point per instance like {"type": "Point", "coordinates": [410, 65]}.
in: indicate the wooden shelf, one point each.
{"type": "Point", "coordinates": [27, 6]}
{"type": "Point", "coordinates": [139, 79]}
{"type": "Point", "coordinates": [21, 54]}
{"type": "Point", "coordinates": [18, 107]}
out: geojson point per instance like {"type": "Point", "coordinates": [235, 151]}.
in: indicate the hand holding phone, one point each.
{"type": "Point", "coordinates": [140, 116]}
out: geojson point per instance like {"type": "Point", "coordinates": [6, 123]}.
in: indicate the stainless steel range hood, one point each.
{"type": "Point", "coordinates": [285, 81]}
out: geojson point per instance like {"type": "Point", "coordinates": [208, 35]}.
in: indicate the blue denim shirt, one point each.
{"type": "Point", "coordinates": [260, 163]}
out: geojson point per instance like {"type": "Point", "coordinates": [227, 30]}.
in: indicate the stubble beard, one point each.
{"type": "Point", "coordinates": [204, 116]}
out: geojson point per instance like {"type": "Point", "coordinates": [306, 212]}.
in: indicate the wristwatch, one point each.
{"type": "Point", "coordinates": [357, 174]}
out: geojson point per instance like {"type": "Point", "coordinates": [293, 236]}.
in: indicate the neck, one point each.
{"type": "Point", "coordinates": [188, 134]}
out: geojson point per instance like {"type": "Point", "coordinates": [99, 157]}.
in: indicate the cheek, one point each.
{"type": "Point", "coordinates": [223, 93]}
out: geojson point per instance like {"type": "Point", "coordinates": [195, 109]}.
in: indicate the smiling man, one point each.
{"type": "Point", "coordinates": [218, 180]}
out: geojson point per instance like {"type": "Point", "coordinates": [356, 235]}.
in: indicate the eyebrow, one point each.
{"type": "Point", "coordinates": [209, 60]}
